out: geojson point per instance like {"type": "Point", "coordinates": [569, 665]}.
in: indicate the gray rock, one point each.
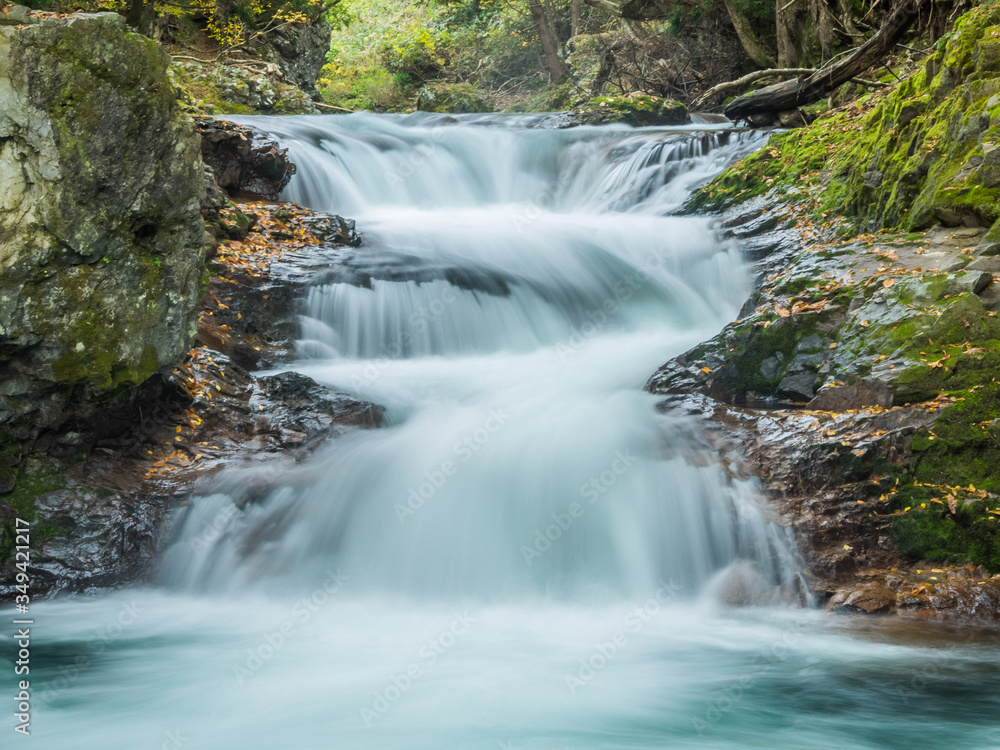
{"type": "Point", "coordinates": [990, 244]}
{"type": "Point", "coordinates": [990, 264]}
{"type": "Point", "coordinates": [810, 343]}
{"type": "Point", "coordinates": [859, 395]}
{"type": "Point", "coordinates": [102, 252]}
{"type": "Point", "coordinates": [771, 367]}
{"type": "Point", "coordinates": [300, 50]}
{"type": "Point", "coordinates": [799, 385]}
{"type": "Point", "coordinates": [791, 118]}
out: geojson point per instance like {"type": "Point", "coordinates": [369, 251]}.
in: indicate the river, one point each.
{"type": "Point", "coordinates": [529, 555]}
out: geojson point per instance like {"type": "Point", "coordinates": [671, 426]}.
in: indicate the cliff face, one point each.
{"type": "Point", "coordinates": [102, 256]}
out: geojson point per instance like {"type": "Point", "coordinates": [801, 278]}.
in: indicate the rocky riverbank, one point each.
{"type": "Point", "coordinates": [100, 506]}
{"type": "Point", "coordinates": [861, 376]}
{"type": "Point", "coordinates": [138, 301]}
{"type": "Point", "coordinates": [888, 482]}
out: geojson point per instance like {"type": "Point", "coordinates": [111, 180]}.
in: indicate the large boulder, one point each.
{"type": "Point", "coordinates": [102, 248]}
{"type": "Point", "coordinates": [453, 98]}
{"type": "Point", "coordinates": [639, 110]}
{"type": "Point", "coordinates": [300, 50]}
{"type": "Point", "coordinates": [243, 161]}
{"type": "Point", "coordinates": [238, 90]}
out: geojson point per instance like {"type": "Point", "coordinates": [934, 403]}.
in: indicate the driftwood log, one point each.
{"type": "Point", "coordinates": [730, 87]}
{"type": "Point", "coordinates": [787, 95]}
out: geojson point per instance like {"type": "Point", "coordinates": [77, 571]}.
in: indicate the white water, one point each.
{"type": "Point", "coordinates": [529, 556]}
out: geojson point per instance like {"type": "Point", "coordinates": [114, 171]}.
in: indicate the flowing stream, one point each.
{"type": "Point", "coordinates": [529, 555]}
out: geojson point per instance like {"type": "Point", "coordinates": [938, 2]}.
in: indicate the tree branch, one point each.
{"type": "Point", "coordinates": [797, 93]}
{"type": "Point", "coordinates": [723, 89]}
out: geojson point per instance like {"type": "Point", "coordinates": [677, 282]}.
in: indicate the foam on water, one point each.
{"type": "Point", "coordinates": [529, 555]}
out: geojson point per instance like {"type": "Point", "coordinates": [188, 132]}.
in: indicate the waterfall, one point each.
{"type": "Point", "coordinates": [515, 288]}
{"type": "Point", "coordinates": [529, 555]}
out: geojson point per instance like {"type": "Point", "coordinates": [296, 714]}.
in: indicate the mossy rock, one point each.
{"type": "Point", "coordinates": [590, 60]}
{"type": "Point", "coordinates": [639, 110]}
{"type": "Point", "coordinates": [101, 238]}
{"type": "Point", "coordinates": [557, 99]}
{"type": "Point", "coordinates": [453, 98]}
{"type": "Point", "coordinates": [227, 89]}
{"type": "Point", "coordinates": [922, 154]}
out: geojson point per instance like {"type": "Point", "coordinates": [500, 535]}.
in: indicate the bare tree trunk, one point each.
{"type": "Point", "coordinates": [574, 28]}
{"type": "Point", "coordinates": [823, 20]}
{"type": "Point", "coordinates": [138, 15]}
{"type": "Point", "coordinates": [791, 94]}
{"type": "Point", "coordinates": [755, 50]}
{"type": "Point", "coordinates": [554, 63]}
{"type": "Point", "coordinates": [793, 19]}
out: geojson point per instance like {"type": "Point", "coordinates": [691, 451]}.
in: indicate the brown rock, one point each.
{"type": "Point", "coordinates": [841, 398]}
{"type": "Point", "coordinates": [870, 599]}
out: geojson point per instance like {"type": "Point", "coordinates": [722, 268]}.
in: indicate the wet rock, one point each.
{"type": "Point", "coordinates": [870, 599]}
{"type": "Point", "coordinates": [860, 395]}
{"type": "Point", "coordinates": [243, 161]}
{"type": "Point", "coordinates": [639, 110]}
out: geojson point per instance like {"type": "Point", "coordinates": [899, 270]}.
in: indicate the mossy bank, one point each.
{"type": "Point", "coordinates": [872, 232]}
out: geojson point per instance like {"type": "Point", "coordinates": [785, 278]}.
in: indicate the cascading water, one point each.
{"type": "Point", "coordinates": [526, 556]}
{"type": "Point", "coordinates": [514, 289]}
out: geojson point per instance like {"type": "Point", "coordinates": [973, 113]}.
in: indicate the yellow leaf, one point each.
{"type": "Point", "coordinates": [888, 283]}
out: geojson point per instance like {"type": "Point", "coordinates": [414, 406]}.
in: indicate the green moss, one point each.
{"type": "Point", "coordinates": [958, 456]}
{"type": "Point", "coordinates": [633, 109]}
{"type": "Point", "coordinates": [750, 346]}
{"type": "Point", "coordinates": [972, 535]}
{"type": "Point", "coordinates": [455, 98]}
{"type": "Point", "coordinates": [33, 481]}
{"type": "Point", "coordinates": [556, 99]}
{"type": "Point", "coordinates": [916, 156]}
{"type": "Point", "coordinates": [964, 447]}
